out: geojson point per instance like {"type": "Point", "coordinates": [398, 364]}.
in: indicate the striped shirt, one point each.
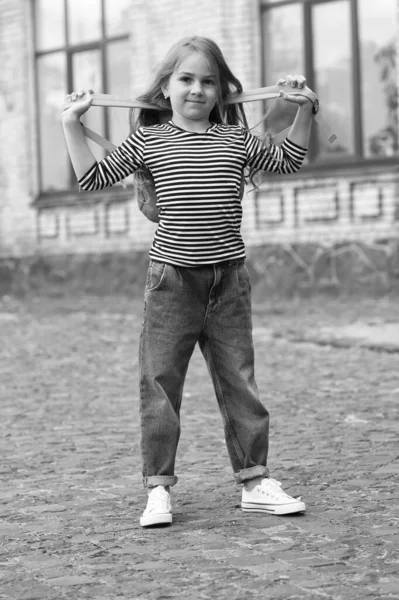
{"type": "Point", "coordinates": [197, 181]}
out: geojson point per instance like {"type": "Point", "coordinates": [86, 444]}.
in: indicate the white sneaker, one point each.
{"type": "Point", "coordinates": [159, 508]}
{"type": "Point", "coordinates": [270, 498]}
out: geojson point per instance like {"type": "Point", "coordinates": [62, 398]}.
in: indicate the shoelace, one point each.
{"type": "Point", "coordinates": [270, 485]}
{"type": "Point", "coordinates": [273, 488]}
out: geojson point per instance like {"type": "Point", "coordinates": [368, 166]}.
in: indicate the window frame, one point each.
{"type": "Point", "coordinates": [358, 158]}
{"type": "Point", "coordinates": [69, 50]}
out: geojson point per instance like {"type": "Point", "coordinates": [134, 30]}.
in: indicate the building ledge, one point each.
{"type": "Point", "coordinates": [351, 168]}
{"type": "Point", "coordinates": [337, 169]}
{"type": "Point", "coordinates": [71, 198]}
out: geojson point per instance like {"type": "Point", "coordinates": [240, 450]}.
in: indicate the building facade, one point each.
{"type": "Point", "coordinates": [347, 192]}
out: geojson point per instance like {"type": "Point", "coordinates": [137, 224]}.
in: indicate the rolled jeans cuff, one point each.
{"type": "Point", "coordinates": [251, 473]}
{"type": "Point", "coordinates": [154, 480]}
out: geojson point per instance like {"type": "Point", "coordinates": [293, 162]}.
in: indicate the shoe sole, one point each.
{"type": "Point", "coordinates": [285, 509]}
{"type": "Point", "coordinates": [162, 519]}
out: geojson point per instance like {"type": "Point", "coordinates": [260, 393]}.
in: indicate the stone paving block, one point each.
{"type": "Point", "coordinates": [294, 555]}
{"type": "Point", "coordinates": [385, 531]}
{"type": "Point", "coordinates": [312, 580]}
{"type": "Point", "coordinates": [185, 554]}
{"type": "Point", "coordinates": [70, 580]}
{"type": "Point", "coordinates": [128, 549]}
{"type": "Point", "coordinates": [9, 529]}
{"type": "Point", "coordinates": [389, 587]}
{"type": "Point", "coordinates": [44, 563]}
{"type": "Point", "coordinates": [322, 528]}
{"type": "Point", "coordinates": [267, 568]}
{"type": "Point", "coordinates": [285, 591]}
{"type": "Point", "coordinates": [53, 572]}
{"type": "Point", "coordinates": [391, 539]}
{"type": "Point", "coordinates": [156, 565]}
{"type": "Point", "coordinates": [390, 469]}
{"type": "Point", "coordinates": [36, 591]}
{"type": "Point", "coordinates": [275, 550]}
{"type": "Point", "coordinates": [214, 545]}
{"type": "Point", "coordinates": [379, 336]}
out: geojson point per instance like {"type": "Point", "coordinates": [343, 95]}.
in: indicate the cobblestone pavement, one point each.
{"type": "Point", "coordinates": [71, 492]}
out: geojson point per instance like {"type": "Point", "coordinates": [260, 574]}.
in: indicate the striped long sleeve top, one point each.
{"type": "Point", "coordinates": [197, 181]}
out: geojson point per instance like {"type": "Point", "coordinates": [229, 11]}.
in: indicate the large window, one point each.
{"type": "Point", "coordinates": [80, 44]}
{"type": "Point", "coordinates": [346, 50]}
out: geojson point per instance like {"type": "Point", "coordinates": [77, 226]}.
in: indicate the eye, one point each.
{"type": "Point", "coordinates": [209, 82]}
{"type": "Point", "coordinates": [185, 79]}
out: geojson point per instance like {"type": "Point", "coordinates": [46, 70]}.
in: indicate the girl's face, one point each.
{"type": "Point", "coordinates": [193, 92]}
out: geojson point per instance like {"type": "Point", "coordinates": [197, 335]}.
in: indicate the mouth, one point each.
{"type": "Point", "coordinates": [195, 101]}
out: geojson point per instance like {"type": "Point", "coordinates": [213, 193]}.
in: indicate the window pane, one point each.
{"type": "Point", "coordinates": [86, 69]}
{"type": "Point", "coordinates": [118, 75]}
{"type": "Point", "coordinates": [84, 21]}
{"type": "Point", "coordinates": [50, 24]}
{"type": "Point", "coordinates": [117, 17]}
{"type": "Point", "coordinates": [377, 24]}
{"type": "Point", "coordinates": [283, 54]}
{"type": "Point", "coordinates": [51, 71]}
{"type": "Point", "coordinates": [333, 74]}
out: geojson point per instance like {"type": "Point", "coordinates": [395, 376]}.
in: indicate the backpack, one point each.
{"type": "Point", "coordinates": [147, 203]}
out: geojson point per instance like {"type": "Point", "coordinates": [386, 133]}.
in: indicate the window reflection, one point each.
{"type": "Point", "coordinates": [283, 54]}
{"type": "Point", "coordinates": [49, 24]}
{"type": "Point", "coordinates": [379, 102]}
{"type": "Point", "coordinates": [333, 73]}
{"type": "Point", "coordinates": [118, 77]}
{"type": "Point", "coordinates": [86, 67]}
{"type": "Point", "coordinates": [51, 88]}
{"type": "Point", "coordinates": [77, 57]}
{"type": "Point", "coordinates": [84, 20]}
{"type": "Point", "coordinates": [117, 17]}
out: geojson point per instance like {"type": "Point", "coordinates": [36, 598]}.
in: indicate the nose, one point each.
{"type": "Point", "coordinates": [196, 88]}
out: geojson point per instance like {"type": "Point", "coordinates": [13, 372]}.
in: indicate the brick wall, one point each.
{"type": "Point", "coordinates": [17, 230]}
{"type": "Point", "coordinates": [158, 25]}
{"type": "Point", "coordinates": [295, 210]}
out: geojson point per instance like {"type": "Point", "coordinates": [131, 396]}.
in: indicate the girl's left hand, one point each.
{"type": "Point", "coordinates": [297, 82]}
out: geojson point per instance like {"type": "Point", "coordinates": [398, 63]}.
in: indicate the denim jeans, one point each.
{"type": "Point", "coordinates": [210, 305]}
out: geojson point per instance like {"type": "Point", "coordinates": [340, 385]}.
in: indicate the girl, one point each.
{"type": "Point", "coordinates": [197, 287]}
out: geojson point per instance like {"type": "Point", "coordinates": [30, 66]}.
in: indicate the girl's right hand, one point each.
{"type": "Point", "coordinates": [77, 103]}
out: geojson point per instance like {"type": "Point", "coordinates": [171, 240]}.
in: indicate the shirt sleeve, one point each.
{"type": "Point", "coordinates": [121, 163]}
{"type": "Point", "coordinates": [287, 158]}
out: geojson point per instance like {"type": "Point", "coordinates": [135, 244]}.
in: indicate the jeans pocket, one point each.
{"type": "Point", "coordinates": [245, 277]}
{"type": "Point", "coordinates": [155, 276]}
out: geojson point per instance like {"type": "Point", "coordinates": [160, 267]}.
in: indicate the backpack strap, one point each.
{"type": "Point", "coordinates": [254, 95]}
{"type": "Point", "coordinates": [101, 141]}
{"type": "Point", "coordinates": [273, 91]}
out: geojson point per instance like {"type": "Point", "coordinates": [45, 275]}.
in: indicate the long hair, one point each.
{"type": "Point", "coordinates": [227, 83]}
